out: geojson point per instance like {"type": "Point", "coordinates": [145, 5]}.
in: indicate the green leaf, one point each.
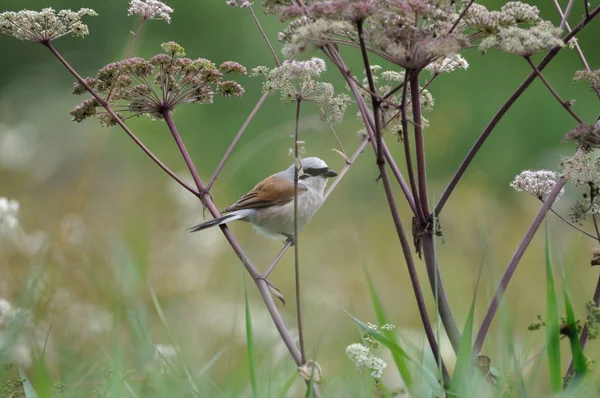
{"type": "Point", "coordinates": [463, 372]}
{"type": "Point", "coordinates": [579, 362]}
{"type": "Point", "coordinates": [552, 323]}
{"type": "Point", "coordinates": [250, 346]}
{"type": "Point", "coordinates": [399, 360]}
{"type": "Point", "coordinates": [27, 387]}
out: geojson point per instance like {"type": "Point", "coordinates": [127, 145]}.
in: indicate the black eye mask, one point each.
{"type": "Point", "coordinates": [317, 172]}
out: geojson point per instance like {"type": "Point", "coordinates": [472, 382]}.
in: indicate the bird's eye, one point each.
{"type": "Point", "coordinates": [303, 176]}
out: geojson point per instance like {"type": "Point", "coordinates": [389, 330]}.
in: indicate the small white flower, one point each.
{"type": "Point", "coordinates": [388, 327]}
{"type": "Point", "coordinates": [9, 210]}
{"type": "Point", "coordinates": [447, 64]}
{"type": "Point", "coordinates": [240, 3]}
{"type": "Point", "coordinates": [538, 183]}
{"type": "Point", "coordinates": [376, 365]}
{"type": "Point", "coordinates": [150, 9]}
{"type": "Point", "coordinates": [362, 358]}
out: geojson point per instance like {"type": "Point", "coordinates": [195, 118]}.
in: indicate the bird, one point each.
{"type": "Point", "coordinates": [269, 206]}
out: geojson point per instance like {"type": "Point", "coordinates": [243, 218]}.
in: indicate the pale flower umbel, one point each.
{"type": "Point", "coordinates": [9, 210]}
{"type": "Point", "coordinates": [448, 64]}
{"type": "Point", "coordinates": [538, 183]}
{"type": "Point", "coordinates": [150, 9]}
{"type": "Point", "coordinates": [240, 3]}
{"type": "Point", "coordinates": [362, 358]}
{"type": "Point", "coordinates": [44, 26]}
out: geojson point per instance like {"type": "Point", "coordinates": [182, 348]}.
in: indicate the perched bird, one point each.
{"type": "Point", "coordinates": [269, 206]}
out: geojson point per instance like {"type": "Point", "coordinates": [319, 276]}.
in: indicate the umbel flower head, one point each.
{"type": "Point", "coordinates": [153, 87]}
{"type": "Point", "coordinates": [413, 33]}
{"type": "Point", "coordinates": [150, 9]}
{"type": "Point", "coordinates": [44, 26]}
{"type": "Point", "coordinates": [295, 80]}
{"type": "Point", "coordinates": [538, 183]}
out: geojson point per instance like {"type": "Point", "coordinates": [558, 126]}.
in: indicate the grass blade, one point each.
{"type": "Point", "coordinates": [250, 347]}
{"type": "Point", "coordinates": [579, 362]}
{"type": "Point", "coordinates": [399, 360]}
{"type": "Point", "coordinates": [552, 323]}
{"type": "Point", "coordinates": [463, 372]}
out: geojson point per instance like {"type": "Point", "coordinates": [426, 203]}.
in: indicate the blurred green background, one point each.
{"type": "Point", "coordinates": [99, 220]}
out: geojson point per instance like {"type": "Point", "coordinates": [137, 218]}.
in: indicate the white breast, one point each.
{"type": "Point", "coordinates": [276, 221]}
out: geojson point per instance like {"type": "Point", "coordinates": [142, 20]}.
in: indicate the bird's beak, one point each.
{"type": "Point", "coordinates": [329, 173]}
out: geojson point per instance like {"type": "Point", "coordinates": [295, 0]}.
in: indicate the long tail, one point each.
{"type": "Point", "coordinates": [236, 215]}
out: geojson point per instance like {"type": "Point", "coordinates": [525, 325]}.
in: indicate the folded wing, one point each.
{"type": "Point", "coordinates": [272, 191]}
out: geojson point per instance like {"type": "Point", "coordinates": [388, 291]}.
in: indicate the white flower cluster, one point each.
{"type": "Point", "coordinates": [295, 81]}
{"type": "Point", "coordinates": [516, 40]}
{"type": "Point", "coordinates": [581, 169]}
{"type": "Point", "coordinates": [44, 26]}
{"type": "Point", "coordinates": [240, 3]}
{"type": "Point", "coordinates": [538, 183]}
{"type": "Point", "coordinates": [150, 9]}
{"type": "Point", "coordinates": [448, 64]}
{"type": "Point", "coordinates": [362, 358]}
{"type": "Point", "coordinates": [9, 210]}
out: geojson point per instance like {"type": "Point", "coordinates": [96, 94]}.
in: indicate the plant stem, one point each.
{"type": "Point", "coordinates": [136, 35]}
{"type": "Point", "coordinates": [389, 193]}
{"type": "Point", "coordinates": [514, 262]}
{"type": "Point", "coordinates": [566, 15]}
{"type": "Point", "coordinates": [118, 120]}
{"type": "Point", "coordinates": [264, 35]}
{"type": "Point", "coordinates": [375, 103]}
{"type": "Point", "coordinates": [461, 16]}
{"type": "Point", "coordinates": [439, 292]}
{"type": "Point", "coordinates": [296, 248]}
{"type": "Point", "coordinates": [334, 56]}
{"type": "Point", "coordinates": [553, 91]}
{"type": "Point", "coordinates": [573, 225]}
{"type": "Point", "coordinates": [406, 249]}
{"type": "Point", "coordinates": [241, 131]}
{"type": "Point", "coordinates": [502, 111]}
{"type": "Point", "coordinates": [419, 142]}
{"type": "Point", "coordinates": [576, 44]}
{"type": "Point", "coordinates": [407, 154]}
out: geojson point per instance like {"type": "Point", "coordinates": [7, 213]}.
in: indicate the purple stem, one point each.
{"type": "Point", "coordinates": [557, 97]}
{"type": "Point", "coordinates": [370, 126]}
{"type": "Point", "coordinates": [118, 120]}
{"type": "Point", "coordinates": [461, 16]}
{"type": "Point", "coordinates": [419, 142]}
{"type": "Point", "coordinates": [296, 247]}
{"type": "Point", "coordinates": [407, 154]}
{"type": "Point", "coordinates": [414, 279]}
{"type": "Point", "coordinates": [502, 111]}
{"type": "Point", "coordinates": [225, 157]}
{"type": "Point", "coordinates": [512, 266]}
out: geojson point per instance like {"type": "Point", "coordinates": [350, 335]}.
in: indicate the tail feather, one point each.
{"type": "Point", "coordinates": [220, 220]}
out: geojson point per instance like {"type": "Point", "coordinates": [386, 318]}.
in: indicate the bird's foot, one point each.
{"type": "Point", "coordinates": [289, 239]}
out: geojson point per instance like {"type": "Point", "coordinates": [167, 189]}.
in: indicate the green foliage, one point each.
{"type": "Point", "coordinates": [552, 323]}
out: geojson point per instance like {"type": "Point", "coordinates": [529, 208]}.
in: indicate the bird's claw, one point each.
{"type": "Point", "coordinates": [289, 239]}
